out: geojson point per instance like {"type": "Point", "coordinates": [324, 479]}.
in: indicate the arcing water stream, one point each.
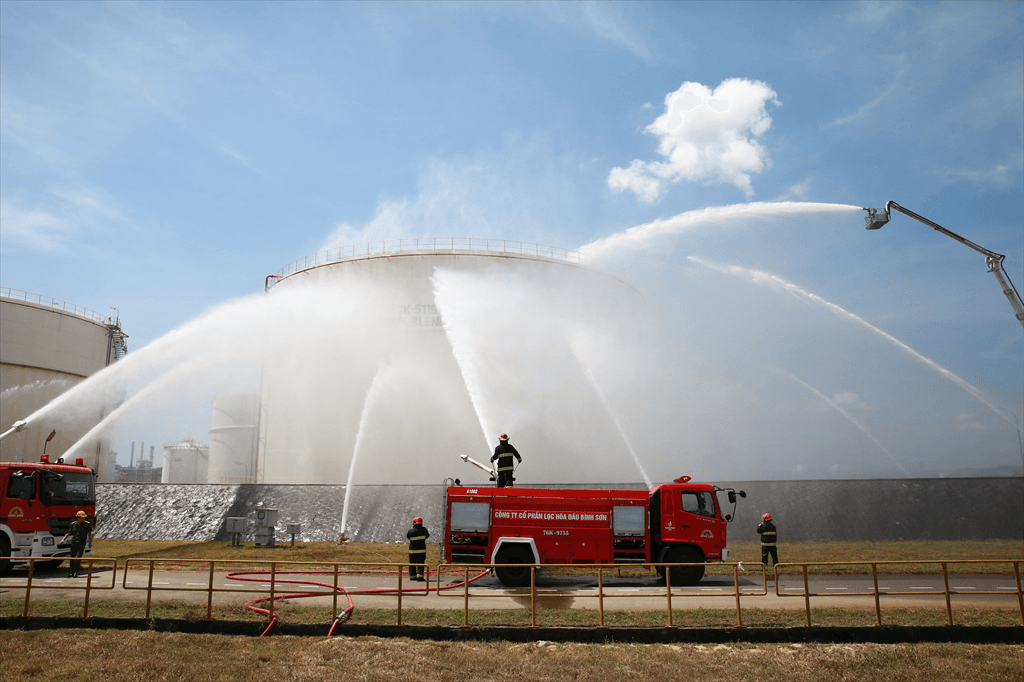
{"type": "Point", "coordinates": [677, 365]}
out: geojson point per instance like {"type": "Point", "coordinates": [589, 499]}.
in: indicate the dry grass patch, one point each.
{"type": "Point", "coordinates": [145, 656]}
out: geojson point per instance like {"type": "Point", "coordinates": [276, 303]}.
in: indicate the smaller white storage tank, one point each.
{"type": "Point", "coordinates": [185, 462]}
{"type": "Point", "coordinates": [233, 438]}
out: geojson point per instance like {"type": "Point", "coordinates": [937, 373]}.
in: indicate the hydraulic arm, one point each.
{"type": "Point", "coordinates": [994, 260]}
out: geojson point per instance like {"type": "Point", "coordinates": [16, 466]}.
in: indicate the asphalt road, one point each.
{"type": "Point", "coordinates": [380, 590]}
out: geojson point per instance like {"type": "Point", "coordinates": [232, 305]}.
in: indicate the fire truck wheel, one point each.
{"type": "Point", "coordinates": [514, 576]}
{"type": "Point", "coordinates": [5, 551]}
{"type": "Point", "coordinates": [685, 575]}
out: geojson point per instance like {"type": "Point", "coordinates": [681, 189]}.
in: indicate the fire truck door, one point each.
{"type": "Point", "coordinates": [19, 505]}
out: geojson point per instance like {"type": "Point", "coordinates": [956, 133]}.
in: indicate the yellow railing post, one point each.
{"type": "Point", "coordinates": [807, 593]}
{"type": "Point", "coordinates": [209, 594]}
{"type": "Point", "coordinates": [668, 593]}
{"type": "Point", "coordinates": [600, 593]}
{"type": "Point", "coordinates": [88, 588]}
{"type": "Point", "coordinates": [736, 586]}
{"type": "Point", "coordinates": [465, 593]}
{"type": "Point", "coordinates": [273, 584]}
{"type": "Point", "coordinates": [28, 586]}
{"type": "Point", "coordinates": [878, 603]}
{"type": "Point", "coordinates": [149, 589]}
{"type": "Point", "coordinates": [334, 605]}
{"type": "Point", "coordinates": [945, 588]}
{"type": "Point", "coordinates": [533, 597]}
{"type": "Point", "coordinates": [1020, 593]}
{"type": "Point", "coordinates": [401, 572]}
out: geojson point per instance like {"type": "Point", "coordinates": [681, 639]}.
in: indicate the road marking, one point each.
{"type": "Point", "coordinates": [837, 588]}
{"type": "Point", "coordinates": [161, 583]}
{"type": "Point", "coordinates": [711, 589]}
{"type": "Point", "coordinates": [629, 589]}
{"type": "Point", "coordinates": [200, 584]}
{"type": "Point", "coordinates": [1007, 588]}
{"type": "Point", "coordinates": [964, 588]}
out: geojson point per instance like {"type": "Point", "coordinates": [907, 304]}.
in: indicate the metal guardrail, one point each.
{"type": "Point", "coordinates": [88, 564]}
{"type": "Point", "coordinates": [601, 596]}
{"type": "Point", "coordinates": [282, 572]}
{"type": "Point", "coordinates": [392, 247]}
{"type": "Point", "coordinates": [64, 306]}
{"type": "Point", "coordinates": [877, 594]}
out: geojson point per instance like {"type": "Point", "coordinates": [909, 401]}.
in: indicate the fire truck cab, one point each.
{"type": "Point", "coordinates": [38, 502]}
{"type": "Point", "coordinates": [679, 522]}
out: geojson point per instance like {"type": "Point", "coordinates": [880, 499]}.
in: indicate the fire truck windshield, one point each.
{"type": "Point", "coordinates": [68, 488]}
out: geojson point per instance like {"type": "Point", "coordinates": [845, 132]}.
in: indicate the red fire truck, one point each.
{"type": "Point", "coordinates": [38, 502]}
{"type": "Point", "coordinates": [679, 522]}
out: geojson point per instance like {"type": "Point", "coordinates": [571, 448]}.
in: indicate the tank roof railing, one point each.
{"type": "Point", "coordinates": [431, 245]}
{"type": "Point", "coordinates": [64, 306]}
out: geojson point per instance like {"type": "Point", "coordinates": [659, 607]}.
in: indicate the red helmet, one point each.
{"type": "Point", "coordinates": [503, 436]}
{"type": "Point", "coordinates": [418, 521]}
{"type": "Point", "coordinates": [766, 517]}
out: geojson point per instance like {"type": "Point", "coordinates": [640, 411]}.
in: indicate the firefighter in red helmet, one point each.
{"type": "Point", "coordinates": [417, 548]}
{"type": "Point", "coordinates": [504, 454]}
{"type": "Point", "coordinates": [768, 535]}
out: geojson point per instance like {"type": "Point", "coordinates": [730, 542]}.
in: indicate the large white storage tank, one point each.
{"type": "Point", "coordinates": [46, 347]}
{"type": "Point", "coordinates": [233, 436]}
{"type": "Point", "coordinates": [185, 462]}
{"type": "Point", "coordinates": [432, 348]}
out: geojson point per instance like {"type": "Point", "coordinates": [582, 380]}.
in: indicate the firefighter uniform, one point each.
{"type": "Point", "coordinates": [80, 532]}
{"type": "Point", "coordinates": [417, 535]}
{"type": "Point", "coordinates": [768, 539]}
{"type": "Point", "coordinates": [504, 454]}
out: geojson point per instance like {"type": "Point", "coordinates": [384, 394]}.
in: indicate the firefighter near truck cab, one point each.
{"type": "Point", "coordinates": [674, 523]}
{"type": "Point", "coordinates": [38, 502]}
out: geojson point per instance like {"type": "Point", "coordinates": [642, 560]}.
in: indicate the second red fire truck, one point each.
{"type": "Point", "coordinates": [678, 522]}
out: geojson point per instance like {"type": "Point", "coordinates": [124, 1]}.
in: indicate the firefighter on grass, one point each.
{"type": "Point", "coordinates": [768, 537]}
{"type": "Point", "coordinates": [504, 454]}
{"type": "Point", "coordinates": [417, 548]}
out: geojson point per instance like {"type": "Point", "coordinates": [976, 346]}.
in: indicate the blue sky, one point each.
{"type": "Point", "coordinates": [162, 158]}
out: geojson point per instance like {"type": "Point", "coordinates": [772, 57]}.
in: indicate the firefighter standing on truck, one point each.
{"type": "Point", "coordinates": [417, 549]}
{"type": "Point", "coordinates": [768, 537]}
{"type": "Point", "coordinates": [504, 454]}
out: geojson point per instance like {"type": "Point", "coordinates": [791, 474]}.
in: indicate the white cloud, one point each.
{"type": "Point", "coordinates": [35, 228]}
{"type": "Point", "coordinates": [706, 136]}
{"type": "Point", "coordinates": [968, 422]}
{"type": "Point", "coordinates": [862, 113]}
{"type": "Point", "coordinates": [850, 400]}
{"type": "Point", "coordinates": [998, 176]}
{"type": "Point", "coordinates": [607, 21]}
{"type": "Point", "coordinates": [62, 218]}
{"type": "Point", "coordinates": [521, 192]}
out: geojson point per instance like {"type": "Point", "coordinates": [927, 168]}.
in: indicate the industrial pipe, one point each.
{"type": "Point", "coordinates": [993, 260]}
{"type": "Point", "coordinates": [18, 426]}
